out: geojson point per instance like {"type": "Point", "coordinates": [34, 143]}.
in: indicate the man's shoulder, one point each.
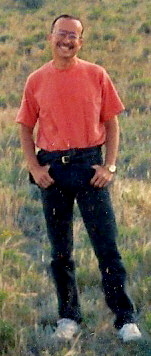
{"type": "Point", "coordinates": [40, 72]}
{"type": "Point", "coordinates": [91, 66]}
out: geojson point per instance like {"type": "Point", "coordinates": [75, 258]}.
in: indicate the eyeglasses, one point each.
{"type": "Point", "coordinates": [62, 34]}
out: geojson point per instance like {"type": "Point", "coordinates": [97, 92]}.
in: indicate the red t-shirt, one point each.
{"type": "Point", "coordinates": [69, 105]}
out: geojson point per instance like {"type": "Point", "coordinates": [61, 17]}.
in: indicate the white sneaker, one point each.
{"type": "Point", "coordinates": [129, 332]}
{"type": "Point", "coordinates": [66, 329]}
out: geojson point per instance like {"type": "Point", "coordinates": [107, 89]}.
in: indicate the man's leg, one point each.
{"type": "Point", "coordinates": [99, 219]}
{"type": "Point", "coordinates": [58, 210]}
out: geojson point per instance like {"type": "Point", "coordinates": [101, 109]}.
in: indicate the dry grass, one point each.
{"type": "Point", "coordinates": [28, 297]}
{"type": "Point", "coordinates": [28, 303]}
{"type": "Point", "coordinates": [132, 201]}
{"type": "Point", "coordinates": [31, 302]}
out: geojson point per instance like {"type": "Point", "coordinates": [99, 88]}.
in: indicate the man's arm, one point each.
{"type": "Point", "coordinates": [102, 175]}
{"type": "Point", "coordinates": [112, 141]}
{"type": "Point", "coordinates": [39, 173]}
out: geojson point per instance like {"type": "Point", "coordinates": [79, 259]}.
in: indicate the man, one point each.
{"type": "Point", "coordinates": [76, 107]}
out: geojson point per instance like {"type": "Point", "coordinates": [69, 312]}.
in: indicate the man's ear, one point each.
{"type": "Point", "coordinates": [49, 37]}
{"type": "Point", "coordinates": [81, 42]}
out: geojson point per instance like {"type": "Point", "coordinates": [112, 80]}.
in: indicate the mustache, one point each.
{"type": "Point", "coordinates": [68, 45]}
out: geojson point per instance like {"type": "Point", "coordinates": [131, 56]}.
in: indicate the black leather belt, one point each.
{"type": "Point", "coordinates": [68, 156]}
{"type": "Point", "coordinates": [69, 159]}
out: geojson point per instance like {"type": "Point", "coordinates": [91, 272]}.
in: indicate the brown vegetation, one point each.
{"type": "Point", "coordinates": [117, 36]}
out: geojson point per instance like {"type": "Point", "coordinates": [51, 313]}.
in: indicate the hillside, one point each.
{"type": "Point", "coordinates": [117, 36]}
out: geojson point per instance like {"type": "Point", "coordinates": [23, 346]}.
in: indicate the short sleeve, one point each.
{"type": "Point", "coordinates": [111, 102]}
{"type": "Point", "coordinates": [29, 109]}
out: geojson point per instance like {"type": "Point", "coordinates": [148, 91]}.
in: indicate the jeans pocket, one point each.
{"type": "Point", "coordinates": [81, 176]}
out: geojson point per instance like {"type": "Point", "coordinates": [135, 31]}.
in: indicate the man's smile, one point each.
{"type": "Point", "coordinates": [65, 45]}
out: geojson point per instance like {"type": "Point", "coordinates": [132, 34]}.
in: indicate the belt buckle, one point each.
{"type": "Point", "coordinates": [65, 159]}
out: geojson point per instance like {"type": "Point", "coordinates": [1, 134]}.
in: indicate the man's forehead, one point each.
{"type": "Point", "coordinates": [68, 24]}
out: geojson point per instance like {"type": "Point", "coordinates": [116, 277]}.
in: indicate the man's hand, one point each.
{"type": "Point", "coordinates": [39, 173]}
{"type": "Point", "coordinates": [102, 176]}
{"type": "Point", "coordinates": [41, 176]}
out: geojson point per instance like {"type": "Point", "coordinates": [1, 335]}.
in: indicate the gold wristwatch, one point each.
{"type": "Point", "coordinates": [111, 167]}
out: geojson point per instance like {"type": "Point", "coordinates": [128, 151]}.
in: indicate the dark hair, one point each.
{"type": "Point", "coordinates": [65, 16]}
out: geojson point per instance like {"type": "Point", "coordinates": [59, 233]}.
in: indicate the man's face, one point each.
{"type": "Point", "coordinates": [66, 38]}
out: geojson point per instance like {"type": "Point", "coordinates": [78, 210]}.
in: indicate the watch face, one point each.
{"type": "Point", "coordinates": [112, 168]}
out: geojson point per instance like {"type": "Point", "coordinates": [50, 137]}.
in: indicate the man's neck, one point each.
{"type": "Point", "coordinates": [64, 63]}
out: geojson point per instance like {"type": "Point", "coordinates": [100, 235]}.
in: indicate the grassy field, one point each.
{"type": "Point", "coordinates": [117, 36]}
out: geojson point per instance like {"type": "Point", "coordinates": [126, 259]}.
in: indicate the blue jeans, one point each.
{"type": "Point", "coordinates": [72, 175]}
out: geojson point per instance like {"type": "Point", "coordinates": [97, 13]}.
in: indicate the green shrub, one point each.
{"type": "Point", "coordinates": [3, 103]}
{"type": "Point", "coordinates": [14, 100]}
{"type": "Point", "coordinates": [145, 28]}
{"type": "Point", "coordinates": [7, 335]}
{"type": "Point", "coordinates": [146, 52]}
{"type": "Point", "coordinates": [95, 13]}
{"type": "Point", "coordinates": [127, 235]}
{"type": "Point", "coordinates": [10, 170]}
{"type": "Point", "coordinates": [130, 3]}
{"type": "Point", "coordinates": [41, 45]}
{"type": "Point", "coordinates": [139, 83]}
{"type": "Point", "coordinates": [32, 4]}
{"type": "Point", "coordinates": [87, 279]}
{"type": "Point", "coordinates": [30, 219]}
{"type": "Point", "coordinates": [133, 39]}
{"type": "Point", "coordinates": [109, 37]}
{"type": "Point", "coordinates": [148, 320]}
{"type": "Point", "coordinates": [95, 36]}
{"type": "Point", "coordinates": [41, 338]}
{"type": "Point", "coordinates": [10, 138]}
{"type": "Point", "coordinates": [135, 74]}
{"type": "Point", "coordinates": [31, 40]}
{"type": "Point", "coordinates": [5, 38]}
{"type": "Point", "coordinates": [3, 297]}
{"type": "Point", "coordinates": [39, 36]}
{"type": "Point", "coordinates": [3, 63]}
{"type": "Point", "coordinates": [140, 169]}
{"type": "Point", "coordinates": [3, 23]}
